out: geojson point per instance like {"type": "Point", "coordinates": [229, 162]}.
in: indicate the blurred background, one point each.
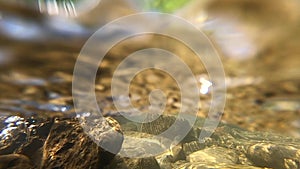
{"type": "Point", "coordinates": [258, 42]}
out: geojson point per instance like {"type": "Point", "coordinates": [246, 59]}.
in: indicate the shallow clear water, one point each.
{"type": "Point", "coordinates": [38, 54]}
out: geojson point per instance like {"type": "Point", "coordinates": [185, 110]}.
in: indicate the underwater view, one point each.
{"type": "Point", "coordinates": [149, 84]}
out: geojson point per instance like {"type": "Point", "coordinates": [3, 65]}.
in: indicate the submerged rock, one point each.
{"type": "Point", "coordinates": [275, 156]}
{"type": "Point", "coordinates": [71, 143]}
{"type": "Point", "coordinates": [193, 146]}
{"type": "Point", "coordinates": [141, 145]}
{"type": "Point", "coordinates": [201, 165]}
{"type": "Point", "coordinates": [172, 124]}
{"type": "Point", "coordinates": [228, 147]}
{"type": "Point", "coordinates": [214, 155]}
{"type": "Point", "coordinates": [134, 163]}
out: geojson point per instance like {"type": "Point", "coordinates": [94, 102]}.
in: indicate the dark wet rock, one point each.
{"type": "Point", "coordinates": [134, 163]}
{"type": "Point", "coordinates": [68, 146]}
{"type": "Point", "coordinates": [33, 149]}
{"type": "Point", "coordinates": [11, 141]}
{"type": "Point", "coordinates": [15, 161]}
{"type": "Point", "coordinates": [23, 136]}
{"type": "Point", "coordinates": [43, 129]}
{"type": "Point", "coordinates": [11, 147]}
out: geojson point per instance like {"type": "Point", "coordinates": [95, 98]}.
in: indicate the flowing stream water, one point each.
{"type": "Point", "coordinates": [38, 52]}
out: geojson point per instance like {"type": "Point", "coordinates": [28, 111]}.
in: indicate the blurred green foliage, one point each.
{"type": "Point", "coordinates": [167, 6]}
